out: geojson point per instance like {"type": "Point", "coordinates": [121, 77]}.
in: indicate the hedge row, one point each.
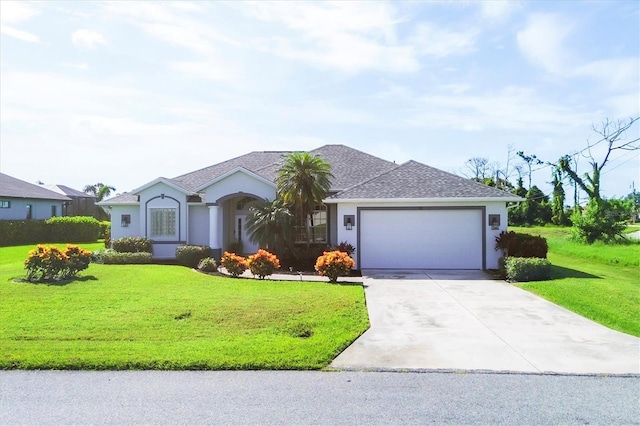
{"type": "Point", "coordinates": [77, 229]}
{"type": "Point", "coordinates": [524, 269]}
{"type": "Point", "coordinates": [513, 244]}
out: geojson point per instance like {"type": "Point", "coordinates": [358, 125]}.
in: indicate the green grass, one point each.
{"type": "Point", "coordinates": [170, 317]}
{"type": "Point", "coordinates": [600, 282]}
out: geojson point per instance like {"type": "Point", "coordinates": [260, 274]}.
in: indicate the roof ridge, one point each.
{"type": "Point", "coordinates": [370, 179]}
{"type": "Point", "coordinates": [461, 177]}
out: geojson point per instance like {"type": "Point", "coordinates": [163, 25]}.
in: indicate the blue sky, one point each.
{"type": "Point", "coordinates": [124, 92]}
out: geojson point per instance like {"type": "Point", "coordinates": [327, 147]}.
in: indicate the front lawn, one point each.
{"type": "Point", "coordinates": [599, 281]}
{"type": "Point", "coordinates": [170, 317]}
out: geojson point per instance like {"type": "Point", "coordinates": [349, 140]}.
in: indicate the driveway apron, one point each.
{"type": "Point", "coordinates": [464, 320]}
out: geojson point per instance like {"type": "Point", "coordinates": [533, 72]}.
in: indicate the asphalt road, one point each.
{"type": "Point", "coordinates": [272, 397]}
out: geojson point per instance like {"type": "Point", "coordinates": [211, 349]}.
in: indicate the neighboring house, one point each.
{"type": "Point", "coordinates": [20, 200]}
{"type": "Point", "coordinates": [81, 204]}
{"type": "Point", "coordinates": [397, 216]}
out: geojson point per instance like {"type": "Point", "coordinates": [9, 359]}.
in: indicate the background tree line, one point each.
{"type": "Point", "coordinates": [600, 218]}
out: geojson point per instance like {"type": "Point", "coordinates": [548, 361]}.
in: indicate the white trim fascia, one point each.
{"type": "Point", "coordinates": [164, 181]}
{"type": "Point", "coordinates": [422, 200]}
{"type": "Point", "coordinates": [231, 172]}
{"type": "Point", "coordinates": [126, 203]}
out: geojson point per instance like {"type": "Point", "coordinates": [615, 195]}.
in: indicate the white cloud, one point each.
{"type": "Point", "coordinates": [87, 39]}
{"type": "Point", "coordinates": [208, 70]}
{"type": "Point", "coordinates": [14, 12]}
{"type": "Point", "coordinates": [336, 35]}
{"type": "Point", "coordinates": [19, 34]}
{"type": "Point", "coordinates": [441, 42]}
{"type": "Point", "coordinates": [542, 42]}
{"type": "Point", "coordinates": [83, 66]}
{"type": "Point", "coordinates": [512, 108]}
{"type": "Point", "coordinates": [497, 10]}
{"type": "Point", "coordinates": [621, 74]}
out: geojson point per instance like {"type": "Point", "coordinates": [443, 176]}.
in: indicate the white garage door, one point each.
{"type": "Point", "coordinates": [421, 239]}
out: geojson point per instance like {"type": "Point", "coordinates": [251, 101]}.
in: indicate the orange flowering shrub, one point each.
{"type": "Point", "coordinates": [263, 263]}
{"type": "Point", "coordinates": [234, 264]}
{"type": "Point", "coordinates": [334, 264]}
{"type": "Point", "coordinates": [51, 263]}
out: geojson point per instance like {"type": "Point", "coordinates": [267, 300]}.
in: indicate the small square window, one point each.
{"type": "Point", "coordinates": [54, 211]}
{"type": "Point", "coordinates": [125, 220]}
{"type": "Point", "coordinates": [5, 204]}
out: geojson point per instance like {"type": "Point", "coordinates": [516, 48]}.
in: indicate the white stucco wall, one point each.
{"type": "Point", "coordinates": [239, 182]}
{"type": "Point", "coordinates": [135, 227]}
{"type": "Point", "coordinates": [198, 225]}
{"type": "Point", "coordinates": [491, 208]}
{"type": "Point", "coordinates": [40, 210]}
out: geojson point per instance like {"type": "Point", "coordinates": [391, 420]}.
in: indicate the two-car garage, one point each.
{"type": "Point", "coordinates": [421, 238]}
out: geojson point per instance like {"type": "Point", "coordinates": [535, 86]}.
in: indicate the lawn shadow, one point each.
{"type": "Point", "coordinates": [57, 283]}
{"type": "Point", "coordinates": [561, 272]}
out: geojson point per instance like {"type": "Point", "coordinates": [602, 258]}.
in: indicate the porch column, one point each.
{"type": "Point", "coordinates": [215, 233]}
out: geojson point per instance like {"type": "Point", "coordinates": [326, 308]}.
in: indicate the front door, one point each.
{"type": "Point", "coordinates": [240, 234]}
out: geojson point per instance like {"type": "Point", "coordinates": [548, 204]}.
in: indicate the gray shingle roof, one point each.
{"type": "Point", "coordinates": [419, 181]}
{"type": "Point", "coordinates": [124, 198]}
{"type": "Point", "coordinates": [16, 188]}
{"type": "Point", "coordinates": [357, 175]}
{"type": "Point", "coordinates": [70, 192]}
{"type": "Point", "coordinates": [350, 166]}
{"type": "Point", "coordinates": [254, 161]}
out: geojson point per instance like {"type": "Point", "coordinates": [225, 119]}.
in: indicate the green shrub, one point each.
{"type": "Point", "coordinates": [512, 244]}
{"type": "Point", "coordinates": [235, 247]}
{"type": "Point", "coordinates": [110, 257]}
{"type": "Point", "coordinates": [105, 229]}
{"type": "Point", "coordinates": [190, 256]}
{"type": "Point", "coordinates": [604, 221]}
{"type": "Point", "coordinates": [208, 264]}
{"type": "Point", "coordinates": [20, 232]}
{"type": "Point", "coordinates": [51, 263]}
{"type": "Point", "coordinates": [81, 229]}
{"type": "Point", "coordinates": [132, 245]}
{"type": "Point", "coordinates": [524, 269]}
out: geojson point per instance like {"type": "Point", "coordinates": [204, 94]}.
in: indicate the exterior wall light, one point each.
{"type": "Point", "coordinates": [494, 221]}
{"type": "Point", "coordinates": [349, 221]}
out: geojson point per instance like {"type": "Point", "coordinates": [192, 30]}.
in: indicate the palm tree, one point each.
{"type": "Point", "coordinates": [269, 225]}
{"type": "Point", "coordinates": [99, 190]}
{"type": "Point", "coordinates": [303, 182]}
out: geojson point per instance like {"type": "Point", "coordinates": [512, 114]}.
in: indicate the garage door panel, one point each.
{"type": "Point", "coordinates": [425, 239]}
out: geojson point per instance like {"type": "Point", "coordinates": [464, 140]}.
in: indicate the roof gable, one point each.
{"type": "Point", "coordinates": [231, 172]}
{"type": "Point", "coordinates": [414, 180]}
{"type": "Point", "coordinates": [16, 188]}
{"type": "Point", "coordinates": [254, 161]}
{"type": "Point", "coordinates": [165, 181]}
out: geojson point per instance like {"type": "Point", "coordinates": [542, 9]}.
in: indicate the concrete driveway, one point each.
{"type": "Point", "coordinates": [464, 320]}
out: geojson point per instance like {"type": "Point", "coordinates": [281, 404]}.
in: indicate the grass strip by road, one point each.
{"type": "Point", "coordinates": [170, 317]}
{"type": "Point", "coordinates": [600, 282]}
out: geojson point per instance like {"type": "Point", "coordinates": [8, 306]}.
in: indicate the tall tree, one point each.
{"type": "Point", "coordinates": [479, 168]}
{"type": "Point", "coordinates": [613, 135]}
{"type": "Point", "coordinates": [600, 220]}
{"type": "Point", "coordinates": [559, 216]}
{"type": "Point", "coordinates": [531, 161]}
{"type": "Point", "coordinates": [99, 190]}
{"type": "Point", "coordinates": [303, 182]}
